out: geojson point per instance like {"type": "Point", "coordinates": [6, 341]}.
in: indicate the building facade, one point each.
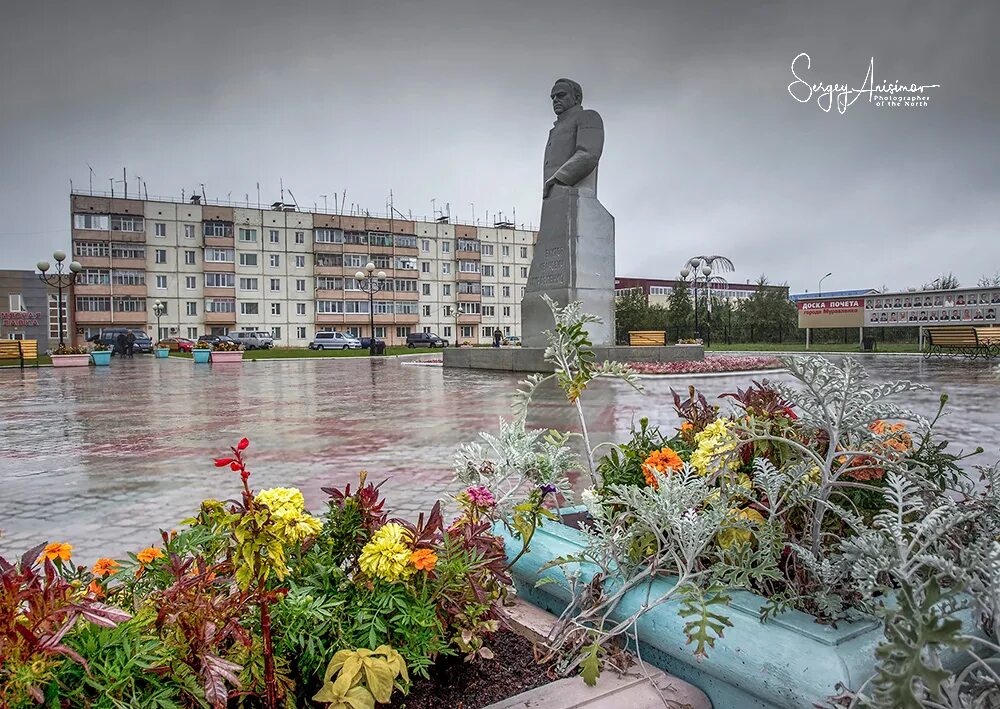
{"type": "Point", "coordinates": [658, 290]}
{"type": "Point", "coordinates": [220, 269]}
{"type": "Point", "coordinates": [29, 309]}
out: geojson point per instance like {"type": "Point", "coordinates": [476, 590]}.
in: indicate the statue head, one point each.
{"type": "Point", "coordinates": [566, 93]}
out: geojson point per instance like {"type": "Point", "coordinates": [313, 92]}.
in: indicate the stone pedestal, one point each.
{"type": "Point", "coordinates": [574, 260]}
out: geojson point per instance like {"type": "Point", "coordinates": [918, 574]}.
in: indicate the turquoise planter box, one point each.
{"type": "Point", "coordinates": [201, 356]}
{"type": "Point", "coordinates": [162, 352]}
{"type": "Point", "coordinates": [790, 661]}
{"type": "Point", "coordinates": [101, 358]}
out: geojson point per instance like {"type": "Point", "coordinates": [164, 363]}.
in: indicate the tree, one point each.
{"type": "Point", "coordinates": [946, 281]}
{"type": "Point", "coordinates": [990, 281]}
{"type": "Point", "coordinates": [634, 312]}
{"type": "Point", "coordinates": [679, 310]}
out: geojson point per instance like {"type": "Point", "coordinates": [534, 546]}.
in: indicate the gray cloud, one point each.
{"type": "Point", "coordinates": [706, 151]}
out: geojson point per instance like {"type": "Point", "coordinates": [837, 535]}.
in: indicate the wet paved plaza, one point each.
{"type": "Point", "coordinates": [103, 457]}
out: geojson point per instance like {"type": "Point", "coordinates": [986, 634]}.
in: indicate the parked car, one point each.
{"type": "Point", "coordinates": [254, 339]}
{"type": "Point", "coordinates": [177, 344]}
{"type": "Point", "coordinates": [513, 341]}
{"type": "Point", "coordinates": [213, 339]}
{"type": "Point", "coordinates": [109, 337]}
{"type": "Point", "coordinates": [334, 341]}
{"type": "Point", "coordinates": [424, 339]}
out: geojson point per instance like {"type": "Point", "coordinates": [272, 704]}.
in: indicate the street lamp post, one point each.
{"type": "Point", "coordinates": [159, 308]}
{"type": "Point", "coordinates": [705, 265]}
{"type": "Point", "coordinates": [820, 288]}
{"type": "Point", "coordinates": [60, 279]}
{"type": "Point", "coordinates": [371, 283]}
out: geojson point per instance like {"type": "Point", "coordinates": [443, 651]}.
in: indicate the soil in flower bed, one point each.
{"type": "Point", "coordinates": [456, 684]}
{"type": "Point", "coordinates": [710, 365]}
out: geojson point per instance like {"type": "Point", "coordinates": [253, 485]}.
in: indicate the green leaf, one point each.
{"type": "Point", "coordinates": [590, 668]}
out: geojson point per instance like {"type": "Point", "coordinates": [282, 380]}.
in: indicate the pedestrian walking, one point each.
{"type": "Point", "coordinates": [497, 337]}
{"type": "Point", "coordinates": [130, 341]}
{"type": "Point", "coordinates": [121, 344]}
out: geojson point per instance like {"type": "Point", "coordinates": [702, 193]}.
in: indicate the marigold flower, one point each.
{"type": "Point", "coordinates": [715, 444]}
{"type": "Point", "coordinates": [95, 588]}
{"type": "Point", "coordinates": [424, 559]}
{"type": "Point", "coordinates": [387, 555]}
{"type": "Point", "coordinates": [104, 567]}
{"type": "Point", "coordinates": [56, 550]}
{"type": "Point", "coordinates": [663, 461]}
{"type": "Point", "coordinates": [288, 513]}
{"type": "Point", "coordinates": [149, 554]}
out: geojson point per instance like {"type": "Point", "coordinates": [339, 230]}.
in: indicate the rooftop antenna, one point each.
{"type": "Point", "coordinates": [294, 201]}
{"type": "Point", "coordinates": [229, 196]}
{"type": "Point", "coordinates": [335, 210]}
{"type": "Point", "coordinates": [125, 182]}
{"type": "Point", "coordinates": [91, 177]}
{"type": "Point", "coordinates": [473, 212]}
{"type": "Point", "coordinates": [433, 209]}
{"type": "Point", "coordinates": [246, 198]}
{"type": "Point", "coordinates": [144, 190]}
{"type": "Point", "coordinates": [71, 185]}
{"type": "Point", "coordinates": [324, 201]}
{"type": "Point", "coordinates": [112, 181]}
{"type": "Point", "coordinates": [258, 195]}
{"type": "Point", "coordinates": [282, 183]}
{"type": "Point", "coordinates": [343, 200]}
{"type": "Point", "coordinates": [203, 197]}
{"type": "Point", "coordinates": [182, 194]}
{"type": "Point", "coordinates": [138, 186]}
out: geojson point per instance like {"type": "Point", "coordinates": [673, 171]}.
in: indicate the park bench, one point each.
{"type": "Point", "coordinates": [968, 341]}
{"type": "Point", "coordinates": [20, 350]}
{"type": "Point", "coordinates": [647, 338]}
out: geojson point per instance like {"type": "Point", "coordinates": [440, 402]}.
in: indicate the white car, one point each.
{"type": "Point", "coordinates": [334, 341]}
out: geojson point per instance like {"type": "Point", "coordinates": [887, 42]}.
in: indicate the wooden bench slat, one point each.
{"type": "Point", "coordinates": [647, 338]}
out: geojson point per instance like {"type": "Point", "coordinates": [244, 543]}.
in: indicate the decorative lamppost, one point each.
{"type": "Point", "coordinates": [704, 265]}
{"type": "Point", "coordinates": [159, 308]}
{"type": "Point", "coordinates": [371, 283]}
{"type": "Point", "coordinates": [60, 279]}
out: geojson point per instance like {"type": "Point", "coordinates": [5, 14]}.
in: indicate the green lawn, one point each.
{"type": "Point", "coordinates": [800, 347]}
{"type": "Point", "coordinates": [292, 352]}
{"type": "Point", "coordinates": [42, 359]}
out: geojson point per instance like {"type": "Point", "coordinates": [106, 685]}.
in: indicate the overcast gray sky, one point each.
{"type": "Point", "coordinates": [706, 152]}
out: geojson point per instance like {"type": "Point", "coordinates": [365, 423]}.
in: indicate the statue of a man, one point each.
{"type": "Point", "coordinates": [575, 141]}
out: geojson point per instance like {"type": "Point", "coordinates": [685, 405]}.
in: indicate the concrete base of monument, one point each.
{"type": "Point", "coordinates": [532, 359]}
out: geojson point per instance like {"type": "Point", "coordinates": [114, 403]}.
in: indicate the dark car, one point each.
{"type": "Point", "coordinates": [213, 339]}
{"type": "Point", "coordinates": [366, 342]}
{"type": "Point", "coordinates": [109, 337]}
{"type": "Point", "coordinates": [424, 339]}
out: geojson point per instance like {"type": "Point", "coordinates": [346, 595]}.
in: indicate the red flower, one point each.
{"type": "Point", "coordinates": [222, 462]}
{"type": "Point", "coordinates": [243, 444]}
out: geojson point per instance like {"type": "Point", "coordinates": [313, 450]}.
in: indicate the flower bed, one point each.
{"type": "Point", "coordinates": [710, 365]}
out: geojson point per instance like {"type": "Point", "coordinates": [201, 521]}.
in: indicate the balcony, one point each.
{"type": "Point", "coordinates": [330, 318]}
{"type": "Point", "coordinates": [469, 276]}
{"type": "Point", "coordinates": [96, 261]}
{"type": "Point", "coordinates": [469, 297]}
{"type": "Point", "coordinates": [219, 292]}
{"type": "Point", "coordinates": [96, 289]}
{"type": "Point", "coordinates": [462, 255]}
{"type": "Point", "coordinates": [219, 267]}
{"type": "Point", "coordinates": [329, 270]}
{"type": "Point", "coordinates": [220, 318]}
{"type": "Point", "coordinates": [329, 294]}
{"type": "Point", "coordinates": [128, 264]}
{"type": "Point", "coordinates": [322, 247]}
{"type": "Point", "coordinates": [106, 317]}
{"type": "Point", "coordinates": [470, 318]}
{"type": "Point", "coordinates": [129, 237]}
{"type": "Point", "coordinates": [130, 318]}
{"type": "Point", "coordinates": [222, 242]}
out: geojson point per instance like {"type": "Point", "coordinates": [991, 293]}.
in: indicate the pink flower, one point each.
{"type": "Point", "coordinates": [481, 497]}
{"type": "Point", "coordinates": [711, 363]}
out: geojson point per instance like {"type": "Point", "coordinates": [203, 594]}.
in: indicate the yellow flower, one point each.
{"type": "Point", "coordinates": [715, 444]}
{"type": "Point", "coordinates": [387, 555]}
{"type": "Point", "coordinates": [738, 533]}
{"type": "Point", "coordinates": [288, 514]}
{"type": "Point", "coordinates": [56, 550]}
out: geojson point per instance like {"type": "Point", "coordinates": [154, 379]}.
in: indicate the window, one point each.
{"type": "Point", "coordinates": [128, 278]}
{"type": "Point", "coordinates": [275, 260]}
{"type": "Point", "coordinates": [445, 268]}
{"type": "Point", "coordinates": [300, 262]}
{"type": "Point", "coordinates": [250, 308]}
{"type": "Point", "coordinates": [403, 285]}
{"type": "Point", "coordinates": [524, 252]}
{"type": "Point", "coordinates": [380, 331]}
{"type": "Point", "coordinates": [300, 308]}
{"type": "Point", "coordinates": [524, 271]}
{"type": "Point", "coordinates": [487, 331]}
{"type": "Point", "coordinates": [130, 252]}
{"type": "Point", "coordinates": [379, 239]}
{"type": "Point", "coordinates": [406, 242]}
{"type": "Point", "coordinates": [425, 266]}
{"type": "Point", "coordinates": [426, 311]}
{"type": "Point", "coordinates": [354, 331]}
{"type": "Point", "coordinates": [351, 284]}
{"type": "Point", "coordinates": [468, 288]}
{"type": "Point", "coordinates": [505, 250]}
{"type": "Point", "coordinates": [353, 237]}
{"type": "Point", "coordinates": [506, 311]}
{"type": "Point", "coordinates": [356, 306]}
{"type": "Point", "coordinates": [220, 280]}
{"type": "Point", "coordinates": [97, 222]}
{"type": "Point", "coordinates": [90, 277]}
{"type": "Point", "coordinates": [488, 291]}
{"type": "Point", "coordinates": [300, 333]}
{"type": "Point", "coordinates": [275, 308]}
{"type": "Point", "coordinates": [248, 235]}
{"type": "Point", "coordinates": [487, 249]}
{"type": "Point", "coordinates": [161, 256]}
{"type": "Point", "coordinates": [217, 229]}
{"type": "Point", "coordinates": [402, 331]}
{"type": "Point", "coordinates": [300, 237]}
{"type": "Point", "coordinates": [276, 332]}
{"type": "Point", "coordinates": [506, 291]}
{"type": "Point", "coordinates": [248, 259]}
{"type": "Point", "coordinates": [447, 331]}
{"type": "Point", "coordinates": [329, 283]}
{"type": "Point", "coordinates": [275, 236]}
{"type": "Point", "coordinates": [406, 307]}
{"type": "Point", "coordinates": [384, 307]}
{"type": "Point", "coordinates": [325, 307]}
{"type": "Point", "coordinates": [469, 308]}
{"type": "Point", "coordinates": [126, 222]}
{"type": "Point", "coordinates": [91, 304]}
{"type": "Point", "coordinates": [329, 236]}
{"type": "Point", "coordinates": [506, 329]}
{"type": "Point", "coordinates": [91, 248]}
{"type": "Point", "coordinates": [161, 282]}
{"type": "Point", "coordinates": [189, 231]}
{"type": "Point", "coordinates": [425, 288]}
{"type": "Point", "coordinates": [248, 284]}
{"type": "Point", "coordinates": [489, 271]}
{"type": "Point", "coordinates": [445, 289]}
{"type": "Point", "coordinates": [468, 266]}
{"type": "Point", "coordinates": [16, 303]}
{"type": "Point", "coordinates": [445, 247]}
{"type": "Point", "coordinates": [190, 259]}
{"type": "Point", "coordinates": [522, 292]}
{"type": "Point", "coordinates": [467, 330]}
{"type": "Point", "coordinates": [505, 271]}
{"type": "Point", "coordinates": [425, 246]}
{"type": "Point", "coordinates": [275, 285]}
{"type": "Point", "coordinates": [489, 311]}
{"type": "Point", "coordinates": [220, 255]}
{"type": "Point", "coordinates": [354, 260]}
{"type": "Point", "coordinates": [406, 262]}
{"type": "Point", "coordinates": [467, 245]}
{"type": "Point", "coordinates": [300, 285]}
{"type": "Point", "coordinates": [133, 305]}
{"type": "Point", "coordinates": [446, 311]}
{"type": "Point", "coordinates": [192, 308]}
{"type": "Point", "coordinates": [160, 229]}
{"type": "Point", "coordinates": [220, 305]}
{"type": "Point", "coordinates": [192, 333]}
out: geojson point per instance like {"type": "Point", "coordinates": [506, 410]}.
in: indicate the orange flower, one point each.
{"type": "Point", "coordinates": [56, 550]}
{"type": "Point", "coordinates": [424, 559]}
{"type": "Point", "coordinates": [95, 588]}
{"type": "Point", "coordinates": [686, 427]}
{"type": "Point", "coordinates": [663, 461]}
{"type": "Point", "coordinates": [103, 567]}
{"type": "Point", "coordinates": [148, 554]}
